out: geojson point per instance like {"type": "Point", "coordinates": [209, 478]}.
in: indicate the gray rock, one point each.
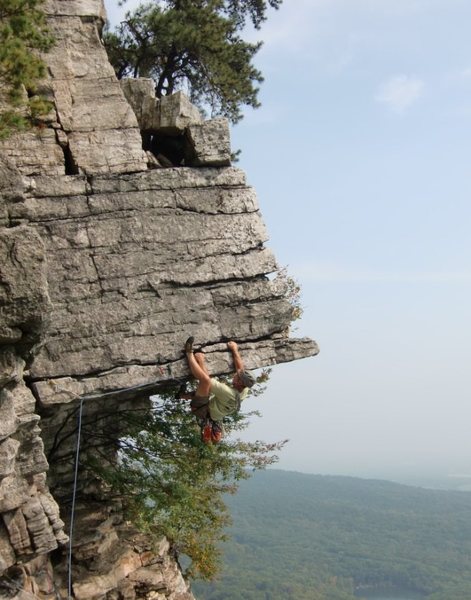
{"type": "Point", "coordinates": [140, 93]}
{"type": "Point", "coordinates": [38, 525]}
{"type": "Point", "coordinates": [121, 266]}
{"type": "Point", "coordinates": [177, 113]}
{"type": "Point", "coordinates": [108, 150]}
{"type": "Point", "coordinates": [151, 578]}
{"type": "Point", "coordinates": [31, 460]}
{"type": "Point", "coordinates": [58, 187]}
{"type": "Point", "coordinates": [15, 523]}
{"type": "Point", "coordinates": [11, 183]}
{"type": "Point", "coordinates": [171, 179]}
{"type": "Point", "coordinates": [11, 366]}
{"type": "Point", "coordinates": [136, 380]}
{"type": "Point", "coordinates": [78, 52]}
{"type": "Point", "coordinates": [24, 401]}
{"type": "Point", "coordinates": [7, 553]}
{"type": "Point", "coordinates": [8, 418]}
{"type": "Point", "coordinates": [89, 104]}
{"type": "Point", "coordinates": [8, 452]}
{"type": "Point", "coordinates": [34, 152]}
{"type": "Point", "coordinates": [14, 491]}
{"type": "Point", "coordinates": [91, 120]}
{"type": "Point", "coordinates": [106, 268]}
{"type": "Point", "coordinates": [31, 516]}
{"type": "Point", "coordinates": [153, 162]}
{"type": "Point", "coordinates": [51, 509]}
{"type": "Point", "coordinates": [209, 144]}
{"type": "Point", "coordinates": [82, 8]}
{"type": "Point", "coordinates": [24, 300]}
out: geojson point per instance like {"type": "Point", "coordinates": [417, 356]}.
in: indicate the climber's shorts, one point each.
{"type": "Point", "coordinates": [200, 406]}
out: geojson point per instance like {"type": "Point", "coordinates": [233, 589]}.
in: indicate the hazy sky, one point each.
{"type": "Point", "coordinates": [360, 155]}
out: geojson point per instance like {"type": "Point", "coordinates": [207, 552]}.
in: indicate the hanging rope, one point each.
{"type": "Point", "coordinates": [56, 387]}
{"type": "Point", "coordinates": [74, 494]}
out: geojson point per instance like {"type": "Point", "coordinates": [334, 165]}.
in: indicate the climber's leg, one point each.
{"type": "Point", "coordinates": [200, 359]}
{"type": "Point", "coordinates": [200, 397]}
{"type": "Point", "coordinates": [198, 370]}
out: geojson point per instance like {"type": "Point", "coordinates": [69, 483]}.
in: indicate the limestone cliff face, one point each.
{"type": "Point", "coordinates": [123, 229]}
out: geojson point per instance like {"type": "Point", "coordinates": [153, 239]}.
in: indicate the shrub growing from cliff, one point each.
{"type": "Point", "coordinates": [193, 45]}
{"type": "Point", "coordinates": [22, 34]}
{"type": "Point", "coordinates": [174, 485]}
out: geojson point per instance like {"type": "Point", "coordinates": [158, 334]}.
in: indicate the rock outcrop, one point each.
{"type": "Point", "coordinates": [31, 527]}
{"type": "Point", "coordinates": [123, 229]}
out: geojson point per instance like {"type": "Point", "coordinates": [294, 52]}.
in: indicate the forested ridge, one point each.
{"type": "Point", "coordinates": [298, 536]}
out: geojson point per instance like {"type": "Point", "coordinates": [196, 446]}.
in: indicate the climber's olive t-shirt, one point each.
{"type": "Point", "coordinates": [224, 399]}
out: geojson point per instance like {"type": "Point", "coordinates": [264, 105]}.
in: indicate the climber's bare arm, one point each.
{"type": "Point", "coordinates": [238, 364]}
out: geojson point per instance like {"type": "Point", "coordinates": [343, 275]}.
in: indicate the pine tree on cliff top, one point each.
{"type": "Point", "coordinates": [22, 35]}
{"type": "Point", "coordinates": [193, 45]}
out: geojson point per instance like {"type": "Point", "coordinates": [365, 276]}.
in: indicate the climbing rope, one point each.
{"type": "Point", "coordinates": [74, 494]}
{"type": "Point", "coordinates": [56, 387]}
{"type": "Point", "coordinates": [76, 468]}
{"type": "Point", "coordinates": [12, 583]}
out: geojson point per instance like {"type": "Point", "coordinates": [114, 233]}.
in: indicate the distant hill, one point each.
{"type": "Point", "coordinates": [300, 537]}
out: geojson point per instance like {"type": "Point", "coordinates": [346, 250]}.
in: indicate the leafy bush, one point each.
{"type": "Point", "coordinates": [172, 484]}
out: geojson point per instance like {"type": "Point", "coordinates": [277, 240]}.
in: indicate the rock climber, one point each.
{"type": "Point", "coordinates": [213, 400]}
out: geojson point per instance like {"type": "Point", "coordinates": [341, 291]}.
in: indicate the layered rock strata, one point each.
{"type": "Point", "coordinates": [108, 261]}
{"type": "Point", "coordinates": [30, 525]}
{"type": "Point", "coordinates": [137, 262]}
{"type": "Point", "coordinates": [91, 129]}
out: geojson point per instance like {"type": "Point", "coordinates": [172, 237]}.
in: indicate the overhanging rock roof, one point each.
{"type": "Point", "coordinates": [136, 263]}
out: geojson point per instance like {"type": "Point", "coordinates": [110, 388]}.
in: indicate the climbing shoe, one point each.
{"type": "Point", "coordinates": [217, 432]}
{"type": "Point", "coordinates": [189, 345]}
{"type": "Point", "coordinates": [206, 433]}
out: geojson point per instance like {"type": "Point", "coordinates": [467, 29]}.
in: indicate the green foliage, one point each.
{"type": "Point", "coordinates": [307, 537]}
{"type": "Point", "coordinates": [22, 34]}
{"type": "Point", "coordinates": [193, 45]}
{"type": "Point", "coordinates": [172, 484]}
{"type": "Point", "coordinates": [293, 292]}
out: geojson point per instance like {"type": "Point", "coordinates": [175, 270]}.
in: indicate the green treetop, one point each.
{"type": "Point", "coordinates": [22, 35]}
{"type": "Point", "coordinates": [193, 45]}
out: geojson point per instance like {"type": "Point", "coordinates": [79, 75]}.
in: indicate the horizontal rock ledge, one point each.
{"type": "Point", "coordinates": [136, 261]}
{"type": "Point", "coordinates": [135, 380]}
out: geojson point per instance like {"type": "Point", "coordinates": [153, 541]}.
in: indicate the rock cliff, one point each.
{"type": "Point", "coordinates": [123, 228]}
